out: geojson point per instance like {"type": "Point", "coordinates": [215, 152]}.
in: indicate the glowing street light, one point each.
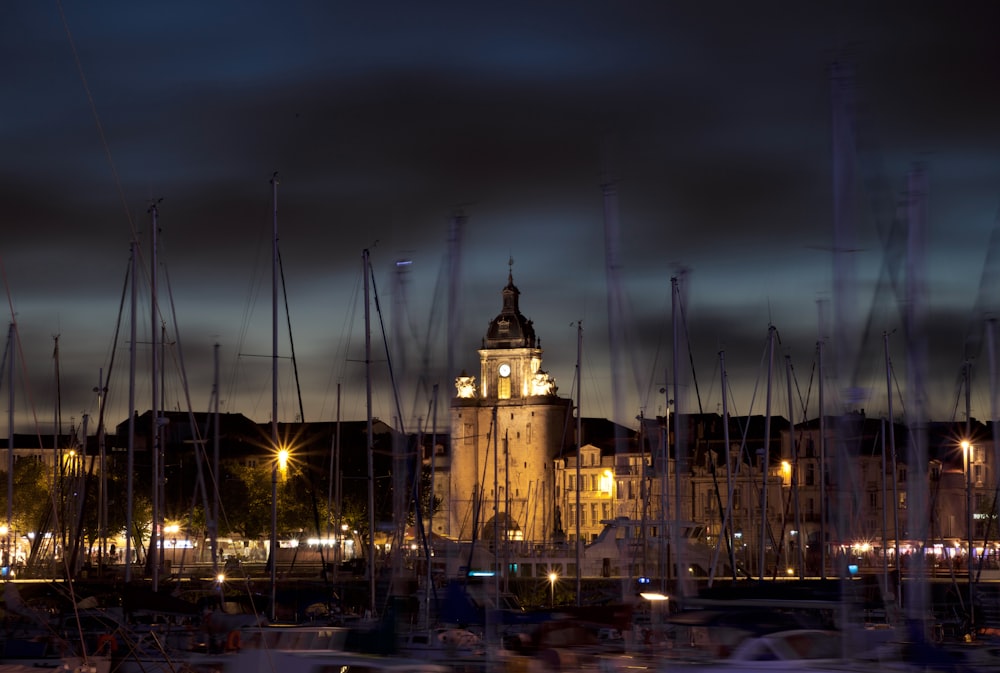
{"type": "Point", "coordinates": [786, 473]}
{"type": "Point", "coordinates": [283, 460]}
{"type": "Point", "coordinates": [552, 589]}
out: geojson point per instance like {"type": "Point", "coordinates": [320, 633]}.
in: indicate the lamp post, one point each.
{"type": "Point", "coordinates": [967, 458]}
{"type": "Point", "coordinates": [741, 549]}
{"type": "Point", "coordinates": [552, 589]}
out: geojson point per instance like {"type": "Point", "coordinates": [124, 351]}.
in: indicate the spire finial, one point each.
{"type": "Point", "coordinates": [510, 269]}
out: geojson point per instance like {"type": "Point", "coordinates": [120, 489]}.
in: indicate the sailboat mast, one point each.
{"type": "Point", "coordinates": [795, 467]}
{"type": "Point", "coordinates": [130, 458]}
{"type": "Point", "coordinates": [79, 483]}
{"type": "Point", "coordinates": [766, 452]}
{"type": "Point", "coordinates": [370, 442]}
{"type": "Point", "coordinates": [579, 444]}
{"type": "Point", "coordinates": [664, 483]}
{"type": "Point", "coordinates": [822, 462]}
{"type": "Point", "coordinates": [57, 465]}
{"type": "Point", "coordinates": [992, 380]}
{"type": "Point", "coordinates": [506, 511]}
{"type": "Point", "coordinates": [675, 529]}
{"type": "Point", "coordinates": [154, 531]}
{"type": "Point", "coordinates": [968, 453]}
{"type": "Point", "coordinates": [338, 494]}
{"type": "Point", "coordinates": [895, 481]}
{"type": "Point", "coordinates": [496, 514]}
{"type": "Point", "coordinates": [215, 466]}
{"type": "Point", "coordinates": [885, 513]}
{"type": "Point", "coordinates": [333, 471]}
{"type": "Point", "coordinates": [102, 453]}
{"type": "Point", "coordinates": [274, 396]}
{"type": "Point", "coordinates": [10, 437]}
{"type": "Point", "coordinates": [430, 509]}
{"type": "Point", "coordinates": [730, 477]}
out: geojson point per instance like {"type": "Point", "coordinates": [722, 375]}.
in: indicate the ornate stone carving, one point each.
{"type": "Point", "coordinates": [542, 384]}
{"type": "Point", "coordinates": [465, 386]}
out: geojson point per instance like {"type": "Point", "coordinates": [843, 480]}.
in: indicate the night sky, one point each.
{"type": "Point", "coordinates": [383, 120]}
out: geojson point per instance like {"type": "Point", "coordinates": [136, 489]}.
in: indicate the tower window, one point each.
{"type": "Point", "coordinates": [503, 389]}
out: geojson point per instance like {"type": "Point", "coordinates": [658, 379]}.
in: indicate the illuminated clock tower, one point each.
{"type": "Point", "coordinates": [506, 431]}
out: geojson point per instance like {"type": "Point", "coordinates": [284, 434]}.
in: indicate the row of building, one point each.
{"type": "Point", "coordinates": [516, 464]}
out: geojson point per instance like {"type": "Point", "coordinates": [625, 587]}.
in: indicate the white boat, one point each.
{"type": "Point", "coordinates": [814, 650]}
{"type": "Point", "coordinates": [67, 665]}
{"type": "Point", "coordinates": [310, 661]}
{"type": "Point", "coordinates": [791, 650]}
{"type": "Point", "coordinates": [441, 643]}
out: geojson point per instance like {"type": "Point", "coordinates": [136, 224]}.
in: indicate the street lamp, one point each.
{"type": "Point", "coordinates": [741, 549]}
{"type": "Point", "coordinates": [552, 589]}
{"type": "Point", "coordinates": [967, 457]}
{"type": "Point", "coordinates": [283, 461]}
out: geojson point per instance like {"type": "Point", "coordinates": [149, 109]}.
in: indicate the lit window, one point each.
{"type": "Point", "coordinates": [606, 482]}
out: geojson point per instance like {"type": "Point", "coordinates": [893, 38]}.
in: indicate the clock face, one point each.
{"type": "Point", "coordinates": [505, 370]}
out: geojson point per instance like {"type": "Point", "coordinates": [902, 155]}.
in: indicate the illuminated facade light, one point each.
{"type": "Point", "coordinates": [607, 483]}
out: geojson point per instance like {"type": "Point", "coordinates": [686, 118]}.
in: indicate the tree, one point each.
{"type": "Point", "coordinates": [32, 495]}
{"type": "Point", "coordinates": [245, 506]}
{"type": "Point", "coordinates": [246, 502]}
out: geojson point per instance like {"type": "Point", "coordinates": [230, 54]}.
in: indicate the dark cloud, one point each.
{"type": "Point", "coordinates": [383, 120]}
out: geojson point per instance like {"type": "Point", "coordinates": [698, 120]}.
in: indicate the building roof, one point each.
{"type": "Point", "coordinates": [510, 329]}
